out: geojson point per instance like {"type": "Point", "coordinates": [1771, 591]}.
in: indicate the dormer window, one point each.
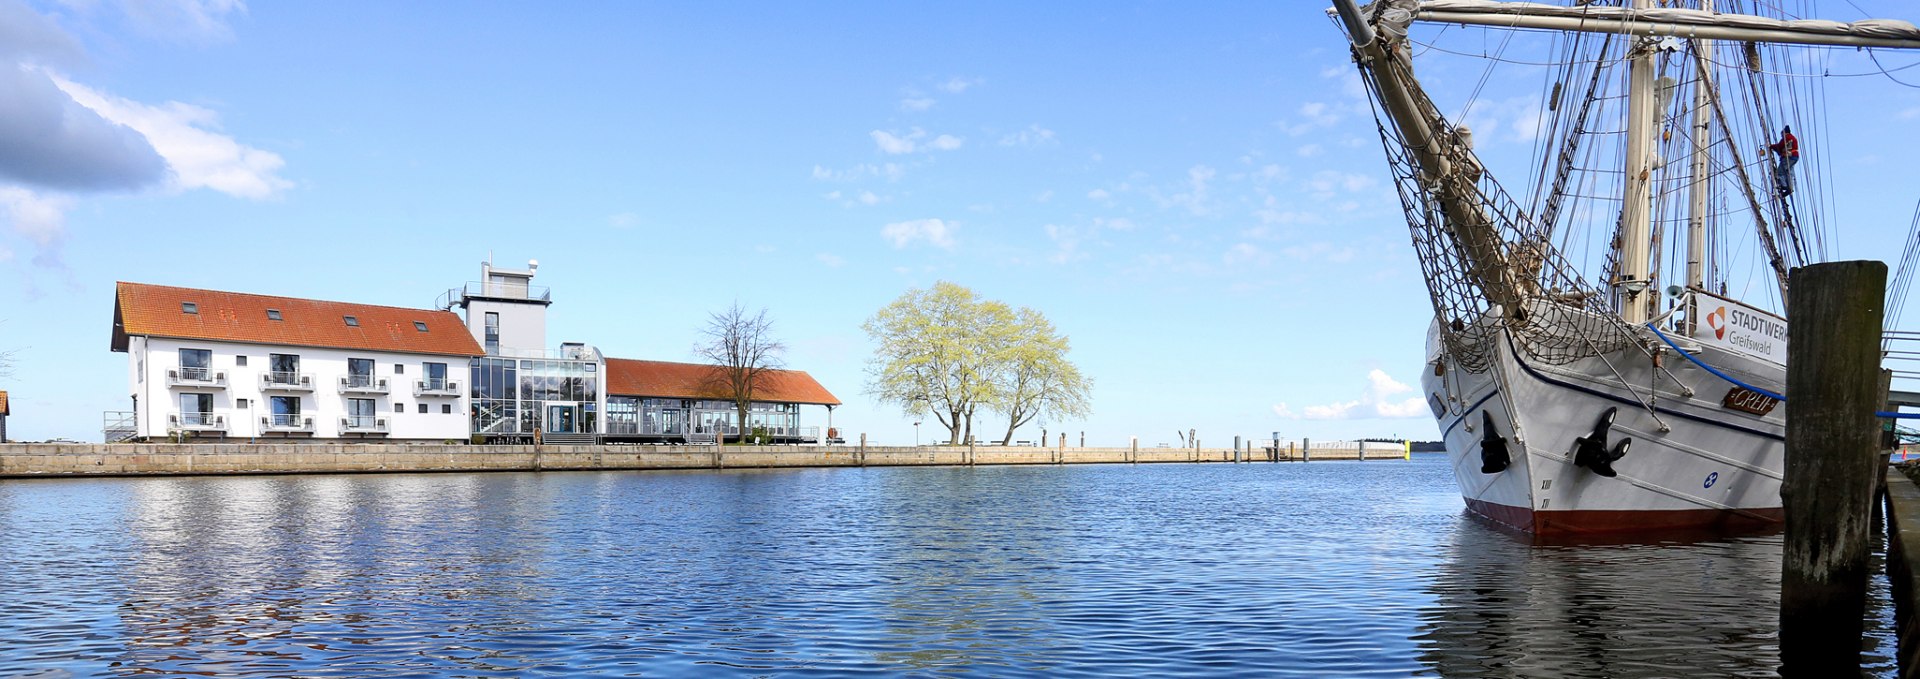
{"type": "Point", "coordinates": [352, 322]}
{"type": "Point", "coordinates": [273, 314]}
{"type": "Point", "coordinates": [420, 326]}
{"type": "Point", "coordinates": [189, 307]}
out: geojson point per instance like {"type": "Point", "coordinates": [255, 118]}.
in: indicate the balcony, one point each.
{"type": "Point", "coordinates": [496, 290]}
{"type": "Point", "coordinates": [196, 378]}
{"type": "Point", "coordinates": [188, 421]}
{"type": "Point", "coordinates": [363, 424]}
{"type": "Point", "coordinates": [285, 381]}
{"type": "Point", "coordinates": [363, 384]}
{"type": "Point", "coordinates": [289, 424]}
{"type": "Point", "coordinates": [436, 387]}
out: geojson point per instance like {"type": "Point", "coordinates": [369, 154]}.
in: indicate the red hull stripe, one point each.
{"type": "Point", "coordinates": [1592, 521]}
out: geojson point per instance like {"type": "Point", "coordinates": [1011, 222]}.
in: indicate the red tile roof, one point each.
{"type": "Point", "coordinates": [156, 311]}
{"type": "Point", "coordinates": [628, 377]}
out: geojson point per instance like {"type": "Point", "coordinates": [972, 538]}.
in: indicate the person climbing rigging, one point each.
{"type": "Point", "coordinates": [1787, 154]}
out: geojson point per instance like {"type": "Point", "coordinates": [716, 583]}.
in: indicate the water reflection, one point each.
{"type": "Point", "coordinates": [1327, 569]}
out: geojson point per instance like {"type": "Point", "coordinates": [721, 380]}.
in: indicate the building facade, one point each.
{"type": "Point", "coordinates": [213, 364]}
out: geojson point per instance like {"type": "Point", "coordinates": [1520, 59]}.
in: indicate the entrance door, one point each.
{"type": "Point", "coordinates": [562, 419]}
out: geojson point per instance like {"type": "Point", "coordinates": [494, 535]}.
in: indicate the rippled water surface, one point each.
{"type": "Point", "coordinates": [1322, 569]}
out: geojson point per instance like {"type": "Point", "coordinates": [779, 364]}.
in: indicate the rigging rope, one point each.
{"type": "Point", "coordinates": [1763, 392]}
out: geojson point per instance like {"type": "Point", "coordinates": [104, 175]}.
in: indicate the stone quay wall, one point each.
{"type": "Point", "coordinates": [89, 459]}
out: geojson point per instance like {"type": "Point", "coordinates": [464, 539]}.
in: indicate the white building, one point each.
{"type": "Point", "coordinates": [205, 363]}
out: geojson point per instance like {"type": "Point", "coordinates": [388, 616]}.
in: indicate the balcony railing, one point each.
{"type": "Point", "coordinates": [198, 378]}
{"type": "Point", "coordinates": [285, 381]}
{"type": "Point", "coordinates": [286, 423]}
{"type": "Point", "coordinates": [118, 425]}
{"type": "Point", "coordinates": [436, 386]}
{"type": "Point", "coordinates": [363, 384]}
{"type": "Point", "coordinates": [499, 290]}
{"type": "Point", "coordinates": [195, 421]}
{"type": "Point", "coordinates": [363, 424]}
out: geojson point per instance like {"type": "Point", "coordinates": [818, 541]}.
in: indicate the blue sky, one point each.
{"type": "Point", "coordinates": [1192, 192]}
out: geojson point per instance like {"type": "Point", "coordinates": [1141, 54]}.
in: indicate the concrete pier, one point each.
{"type": "Point", "coordinates": [83, 459]}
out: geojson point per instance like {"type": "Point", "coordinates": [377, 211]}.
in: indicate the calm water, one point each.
{"type": "Point", "coordinates": [1323, 569]}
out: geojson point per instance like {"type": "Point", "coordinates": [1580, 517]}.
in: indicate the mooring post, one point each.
{"type": "Point", "coordinates": [863, 449]}
{"type": "Point", "coordinates": [1236, 447]}
{"type": "Point", "coordinates": [1306, 450]}
{"type": "Point", "coordinates": [1833, 378]}
{"type": "Point", "coordinates": [1133, 452]}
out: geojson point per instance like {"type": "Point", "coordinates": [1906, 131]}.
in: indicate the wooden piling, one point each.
{"type": "Point", "coordinates": [1833, 373]}
{"type": "Point", "coordinates": [1133, 450]}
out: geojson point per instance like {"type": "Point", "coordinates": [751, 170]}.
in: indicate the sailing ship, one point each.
{"type": "Point", "coordinates": [1571, 407]}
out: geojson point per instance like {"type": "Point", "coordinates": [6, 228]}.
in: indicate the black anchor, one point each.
{"type": "Point", "coordinates": [1591, 450]}
{"type": "Point", "coordinates": [1493, 447]}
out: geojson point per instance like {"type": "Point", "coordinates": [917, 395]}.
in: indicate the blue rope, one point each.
{"type": "Point", "coordinates": [1743, 385]}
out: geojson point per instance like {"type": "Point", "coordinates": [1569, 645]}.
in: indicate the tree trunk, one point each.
{"type": "Point", "coordinates": [953, 428]}
{"type": "Point", "coordinates": [742, 408]}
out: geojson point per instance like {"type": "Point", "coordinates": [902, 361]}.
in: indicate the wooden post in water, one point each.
{"type": "Point", "coordinates": [1306, 450]}
{"type": "Point", "coordinates": [1833, 379]}
{"type": "Point", "coordinates": [1134, 450]}
{"type": "Point", "coordinates": [863, 449]}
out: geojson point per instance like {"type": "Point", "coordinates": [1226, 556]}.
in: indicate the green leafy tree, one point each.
{"type": "Point", "coordinates": [1032, 376]}
{"type": "Point", "coordinates": [931, 355]}
{"type": "Point", "coordinates": [945, 351]}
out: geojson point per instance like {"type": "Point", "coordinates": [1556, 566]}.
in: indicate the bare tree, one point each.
{"type": "Point", "coordinates": [744, 356]}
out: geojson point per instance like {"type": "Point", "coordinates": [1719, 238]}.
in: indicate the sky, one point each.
{"type": "Point", "coordinates": [1193, 192]}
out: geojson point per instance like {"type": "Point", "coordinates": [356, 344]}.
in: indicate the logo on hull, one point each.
{"type": "Point", "coordinates": [1717, 320]}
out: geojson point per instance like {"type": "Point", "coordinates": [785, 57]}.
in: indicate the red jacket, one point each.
{"type": "Point", "coordinates": [1788, 146]}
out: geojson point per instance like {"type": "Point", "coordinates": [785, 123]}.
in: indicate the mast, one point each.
{"type": "Point", "coordinates": [1697, 191]}
{"type": "Point", "coordinates": [1636, 215]}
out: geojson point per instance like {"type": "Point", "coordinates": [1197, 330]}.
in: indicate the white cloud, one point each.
{"type": "Point", "coordinates": [624, 220]}
{"type": "Point", "coordinates": [916, 103]}
{"type": "Point", "coordinates": [1378, 400]}
{"type": "Point", "coordinates": [898, 143]}
{"type": "Point", "coordinates": [1117, 223]}
{"type": "Point", "coordinates": [957, 84]}
{"type": "Point", "coordinates": [40, 218]}
{"type": "Point", "coordinates": [867, 198]}
{"type": "Point", "coordinates": [185, 20]}
{"type": "Point", "coordinates": [1245, 253]}
{"type": "Point", "coordinates": [832, 261]}
{"type": "Point", "coordinates": [1308, 151]}
{"type": "Point", "coordinates": [1034, 135]}
{"type": "Point", "coordinates": [893, 144]}
{"type": "Point", "coordinates": [935, 232]}
{"type": "Point", "coordinates": [890, 171]}
{"type": "Point", "coordinates": [1098, 194]}
{"type": "Point", "coordinates": [199, 157]}
{"type": "Point", "coordinates": [1067, 241]}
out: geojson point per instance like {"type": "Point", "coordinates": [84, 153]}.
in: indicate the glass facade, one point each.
{"type": "Point", "coordinates": [521, 396]}
{"type": "Point", "coordinates": [675, 417]}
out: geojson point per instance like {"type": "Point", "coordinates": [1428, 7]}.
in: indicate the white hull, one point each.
{"type": "Point", "coordinates": [1693, 462]}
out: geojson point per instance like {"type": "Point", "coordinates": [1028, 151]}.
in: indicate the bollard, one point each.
{"type": "Point", "coordinates": [1060, 453]}
{"type": "Point", "coordinates": [1833, 371]}
{"type": "Point", "coordinates": [863, 449]}
{"type": "Point", "coordinates": [1306, 450]}
{"type": "Point", "coordinates": [1236, 448]}
{"type": "Point", "coordinates": [1133, 454]}
{"type": "Point", "coordinates": [1363, 451]}
{"type": "Point", "coordinates": [1276, 446]}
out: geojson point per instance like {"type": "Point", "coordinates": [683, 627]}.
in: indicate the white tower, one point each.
{"type": "Point", "coordinates": [505, 312]}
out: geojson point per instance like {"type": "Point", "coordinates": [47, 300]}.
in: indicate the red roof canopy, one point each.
{"type": "Point", "coordinates": [157, 311]}
{"type": "Point", "coordinates": [666, 379]}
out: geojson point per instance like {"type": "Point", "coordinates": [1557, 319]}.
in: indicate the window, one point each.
{"type": "Point", "coordinates": [189, 307]}
{"type": "Point", "coordinates": [399, 407]}
{"type": "Point", "coordinates": [240, 361]}
{"type": "Point", "coordinates": [196, 365]}
{"type": "Point", "coordinates": [423, 408]}
{"type": "Point", "coordinates": [239, 403]}
{"type": "Point", "coordinates": [446, 408]}
{"type": "Point", "coordinates": [283, 369]}
{"type": "Point", "coordinates": [352, 321]}
{"type": "Point", "coordinates": [399, 369]}
{"type": "Point", "coordinates": [493, 332]}
{"type": "Point", "coordinates": [196, 409]}
{"type": "Point", "coordinates": [360, 413]}
{"type": "Point", "coordinates": [284, 411]}
{"type": "Point", "coordinates": [359, 372]}
{"type": "Point", "coordinates": [436, 376]}
{"type": "Point", "coordinates": [273, 314]}
{"type": "Point", "coordinates": [420, 326]}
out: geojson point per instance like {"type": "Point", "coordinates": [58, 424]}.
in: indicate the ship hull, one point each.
{"type": "Point", "coordinates": [1693, 462]}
